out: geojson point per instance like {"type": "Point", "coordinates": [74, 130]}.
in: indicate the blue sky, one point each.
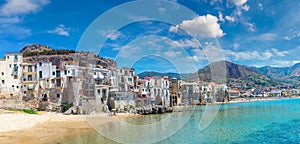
{"type": "Point", "coordinates": [167, 36]}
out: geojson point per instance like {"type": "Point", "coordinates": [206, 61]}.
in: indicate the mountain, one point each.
{"type": "Point", "coordinates": [158, 74]}
{"type": "Point", "coordinates": [41, 53]}
{"type": "Point", "coordinates": [289, 75]}
{"type": "Point", "coordinates": [234, 73]}
{"type": "Point", "coordinates": [280, 72]}
{"type": "Point", "coordinates": [35, 48]}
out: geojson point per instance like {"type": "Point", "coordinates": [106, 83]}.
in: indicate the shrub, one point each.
{"type": "Point", "coordinates": [29, 111]}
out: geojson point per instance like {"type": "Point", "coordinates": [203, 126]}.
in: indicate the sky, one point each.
{"type": "Point", "coordinates": [159, 35]}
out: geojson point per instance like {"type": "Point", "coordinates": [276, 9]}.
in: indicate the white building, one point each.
{"type": "Point", "coordinates": [10, 74]}
{"type": "Point", "coordinates": [29, 81]}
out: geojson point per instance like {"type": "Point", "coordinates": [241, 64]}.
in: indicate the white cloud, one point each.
{"type": "Point", "coordinates": [292, 34]}
{"type": "Point", "coordinates": [185, 43]}
{"type": "Point", "coordinates": [139, 18]}
{"type": "Point", "coordinates": [21, 7]}
{"type": "Point", "coordinates": [251, 26]}
{"type": "Point", "coordinates": [212, 2]}
{"type": "Point", "coordinates": [229, 18]}
{"type": "Point", "coordinates": [279, 53]}
{"type": "Point", "coordinates": [238, 2]}
{"type": "Point", "coordinates": [174, 28]}
{"type": "Point", "coordinates": [221, 19]}
{"type": "Point", "coordinates": [250, 55]}
{"type": "Point", "coordinates": [17, 32]}
{"type": "Point", "coordinates": [172, 53]}
{"type": "Point", "coordinates": [237, 12]}
{"type": "Point", "coordinates": [115, 35]}
{"type": "Point", "coordinates": [201, 26]}
{"type": "Point", "coordinates": [110, 34]}
{"type": "Point", "coordinates": [260, 5]}
{"type": "Point", "coordinates": [264, 37]}
{"type": "Point", "coordinates": [246, 7]}
{"type": "Point", "coordinates": [13, 12]}
{"type": "Point", "coordinates": [283, 63]}
{"type": "Point", "coordinates": [60, 30]}
{"type": "Point", "coordinates": [236, 46]}
{"type": "Point", "coordinates": [10, 20]}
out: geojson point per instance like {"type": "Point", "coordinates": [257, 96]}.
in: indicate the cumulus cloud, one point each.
{"type": "Point", "coordinates": [60, 30]}
{"type": "Point", "coordinates": [21, 7]}
{"type": "Point", "coordinates": [206, 26]}
{"type": "Point", "coordinates": [238, 2]}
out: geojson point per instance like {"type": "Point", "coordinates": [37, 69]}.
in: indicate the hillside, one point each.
{"type": "Point", "coordinates": [289, 75]}
{"type": "Point", "coordinates": [234, 73]}
{"type": "Point", "coordinates": [37, 52]}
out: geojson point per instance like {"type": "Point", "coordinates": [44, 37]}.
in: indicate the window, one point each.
{"type": "Point", "coordinates": [16, 57]}
{"type": "Point", "coordinates": [7, 57]}
{"type": "Point", "coordinates": [53, 73]}
{"type": "Point", "coordinates": [29, 68]}
{"type": "Point", "coordinates": [58, 96]}
{"type": "Point", "coordinates": [17, 87]}
{"type": "Point", "coordinates": [13, 86]}
{"type": "Point", "coordinates": [66, 72]}
{"type": "Point", "coordinates": [9, 65]}
{"type": "Point", "coordinates": [2, 73]}
{"type": "Point", "coordinates": [40, 63]}
{"type": "Point", "coordinates": [3, 82]}
{"type": "Point", "coordinates": [40, 74]}
{"type": "Point", "coordinates": [29, 77]}
{"type": "Point", "coordinates": [73, 72]}
{"type": "Point", "coordinates": [57, 73]}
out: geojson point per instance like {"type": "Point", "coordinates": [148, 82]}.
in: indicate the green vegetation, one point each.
{"type": "Point", "coordinates": [65, 107]}
{"type": "Point", "coordinates": [29, 111]}
{"type": "Point", "coordinates": [48, 52]}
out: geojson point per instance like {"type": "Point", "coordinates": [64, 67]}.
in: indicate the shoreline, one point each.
{"type": "Point", "coordinates": [245, 100]}
{"type": "Point", "coordinates": [45, 127]}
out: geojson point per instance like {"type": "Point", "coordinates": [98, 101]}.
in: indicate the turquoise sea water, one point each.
{"type": "Point", "coordinates": [255, 122]}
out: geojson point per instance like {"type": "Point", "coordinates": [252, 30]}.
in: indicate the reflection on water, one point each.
{"type": "Point", "coordinates": [256, 122]}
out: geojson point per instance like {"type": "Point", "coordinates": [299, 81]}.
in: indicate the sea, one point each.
{"type": "Point", "coordinates": [269, 122]}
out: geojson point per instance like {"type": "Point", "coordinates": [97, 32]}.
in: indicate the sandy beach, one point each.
{"type": "Point", "coordinates": [21, 128]}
